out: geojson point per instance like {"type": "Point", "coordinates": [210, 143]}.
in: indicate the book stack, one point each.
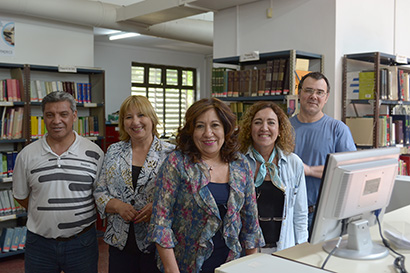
{"type": "Point", "coordinates": [13, 239]}
{"type": "Point", "coordinates": [10, 90]}
{"type": "Point", "coordinates": [80, 91]}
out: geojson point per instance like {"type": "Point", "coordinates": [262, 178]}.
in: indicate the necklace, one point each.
{"type": "Point", "coordinates": [211, 167]}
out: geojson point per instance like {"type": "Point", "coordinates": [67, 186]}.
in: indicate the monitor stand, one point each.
{"type": "Point", "coordinates": [358, 245]}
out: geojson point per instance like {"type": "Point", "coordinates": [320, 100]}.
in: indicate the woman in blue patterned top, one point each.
{"type": "Point", "coordinates": [204, 210]}
{"type": "Point", "coordinates": [125, 187]}
{"type": "Point", "coordinates": [267, 140]}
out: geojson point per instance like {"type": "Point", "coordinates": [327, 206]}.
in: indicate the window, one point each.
{"type": "Point", "coordinates": [171, 90]}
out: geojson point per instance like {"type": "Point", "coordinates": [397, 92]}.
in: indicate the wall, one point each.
{"type": "Point", "coordinates": [116, 61]}
{"type": "Point", "coordinates": [332, 28]}
{"type": "Point", "coordinates": [50, 43]}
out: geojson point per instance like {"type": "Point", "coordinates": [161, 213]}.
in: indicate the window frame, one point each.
{"type": "Point", "coordinates": [164, 86]}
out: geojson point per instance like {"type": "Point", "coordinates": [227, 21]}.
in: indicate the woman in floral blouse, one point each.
{"type": "Point", "coordinates": [204, 210]}
{"type": "Point", "coordinates": [124, 189]}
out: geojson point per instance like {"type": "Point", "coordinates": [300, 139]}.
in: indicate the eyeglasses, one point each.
{"type": "Point", "coordinates": [319, 93]}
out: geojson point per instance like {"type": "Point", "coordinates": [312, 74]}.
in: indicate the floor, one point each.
{"type": "Point", "coordinates": [15, 264]}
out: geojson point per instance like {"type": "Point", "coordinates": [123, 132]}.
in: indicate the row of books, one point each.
{"type": "Point", "coordinates": [11, 125]}
{"type": "Point", "coordinates": [84, 126]}
{"type": "Point", "coordinates": [393, 130]}
{"type": "Point", "coordinates": [394, 84]}
{"type": "Point", "coordinates": [13, 239]}
{"type": "Point", "coordinates": [80, 91]}
{"type": "Point", "coordinates": [10, 90]}
{"type": "Point", "coordinates": [270, 80]}
{"type": "Point", "coordinates": [7, 160]}
{"type": "Point", "coordinates": [87, 126]}
{"type": "Point", "coordinates": [9, 205]}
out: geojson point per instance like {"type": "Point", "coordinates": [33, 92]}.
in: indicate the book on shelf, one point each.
{"type": "Point", "coordinates": [281, 77]}
{"type": "Point", "coordinates": [286, 79]}
{"type": "Point", "coordinates": [13, 90]}
{"type": "Point", "coordinates": [275, 76]}
{"type": "Point", "coordinates": [302, 64]}
{"type": "Point", "coordinates": [7, 239]}
{"type": "Point", "coordinates": [254, 82]}
{"type": "Point", "coordinates": [269, 74]}
{"type": "Point", "coordinates": [230, 87]}
{"type": "Point", "coordinates": [392, 83]}
{"type": "Point", "coordinates": [22, 243]}
{"type": "Point", "coordinates": [352, 85]}
{"type": "Point", "coordinates": [366, 85]}
{"type": "Point", "coordinates": [16, 239]}
{"type": "Point", "coordinates": [262, 81]}
{"type": "Point", "coordinates": [236, 87]}
{"type": "Point", "coordinates": [244, 83]}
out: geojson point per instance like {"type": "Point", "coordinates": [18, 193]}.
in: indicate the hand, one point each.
{"type": "Point", "coordinates": [144, 215]}
{"type": "Point", "coordinates": [126, 211]}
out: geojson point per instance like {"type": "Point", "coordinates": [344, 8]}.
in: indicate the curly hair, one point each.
{"type": "Point", "coordinates": [185, 141]}
{"type": "Point", "coordinates": [144, 106]}
{"type": "Point", "coordinates": [286, 136]}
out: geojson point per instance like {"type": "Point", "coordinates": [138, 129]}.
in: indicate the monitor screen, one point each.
{"type": "Point", "coordinates": [355, 186]}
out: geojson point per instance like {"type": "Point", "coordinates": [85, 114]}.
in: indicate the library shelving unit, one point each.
{"type": "Point", "coordinates": [373, 62]}
{"type": "Point", "coordinates": [26, 74]}
{"type": "Point", "coordinates": [94, 107]}
{"type": "Point", "coordinates": [291, 56]}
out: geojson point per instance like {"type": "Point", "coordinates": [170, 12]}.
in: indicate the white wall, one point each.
{"type": "Point", "coordinates": [50, 43]}
{"type": "Point", "coordinates": [116, 61]}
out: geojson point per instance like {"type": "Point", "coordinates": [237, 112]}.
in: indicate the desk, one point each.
{"type": "Point", "coordinates": [315, 255]}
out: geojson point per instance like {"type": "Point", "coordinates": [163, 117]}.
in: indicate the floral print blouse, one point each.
{"type": "Point", "coordinates": [185, 216]}
{"type": "Point", "coordinates": [115, 181]}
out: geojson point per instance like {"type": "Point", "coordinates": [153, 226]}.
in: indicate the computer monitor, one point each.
{"type": "Point", "coordinates": [355, 186]}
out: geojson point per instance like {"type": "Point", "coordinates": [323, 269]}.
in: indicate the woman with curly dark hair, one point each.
{"type": "Point", "coordinates": [204, 209]}
{"type": "Point", "coordinates": [266, 138]}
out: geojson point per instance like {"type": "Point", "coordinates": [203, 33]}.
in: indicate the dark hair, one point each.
{"type": "Point", "coordinates": [58, 96]}
{"type": "Point", "coordinates": [144, 106]}
{"type": "Point", "coordinates": [286, 137]}
{"type": "Point", "coordinates": [184, 139]}
{"type": "Point", "coordinates": [314, 75]}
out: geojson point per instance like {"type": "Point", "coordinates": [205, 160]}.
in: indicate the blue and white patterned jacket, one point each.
{"type": "Point", "coordinates": [115, 181]}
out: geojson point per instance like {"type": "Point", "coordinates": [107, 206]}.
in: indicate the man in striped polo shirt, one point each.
{"type": "Point", "coordinates": [54, 179]}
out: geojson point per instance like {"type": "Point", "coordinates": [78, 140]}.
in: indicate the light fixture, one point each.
{"type": "Point", "coordinates": [123, 35]}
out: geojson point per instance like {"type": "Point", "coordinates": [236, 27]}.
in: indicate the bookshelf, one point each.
{"type": "Point", "coordinates": [378, 96]}
{"type": "Point", "coordinates": [24, 75]}
{"type": "Point", "coordinates": [277, 77]}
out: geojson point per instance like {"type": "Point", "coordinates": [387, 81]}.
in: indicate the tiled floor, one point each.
{"type": "Point", "coordinates": [15, 264]}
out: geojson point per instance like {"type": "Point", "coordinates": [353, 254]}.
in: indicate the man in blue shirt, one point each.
{"type": "Point", "coordinates": [317, 134]}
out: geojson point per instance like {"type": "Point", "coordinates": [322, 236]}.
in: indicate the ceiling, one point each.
{"type": "Point", "coordinates": [153, 13]}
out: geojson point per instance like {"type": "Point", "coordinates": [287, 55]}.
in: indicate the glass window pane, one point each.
{"type": "Point", "coordinates": [142, 91]}
{"type": "Point", "coordinates": [172, 77]}
{"type": "Point", "coordinates": [137, 74]}
{"type": "Point", "coordinates": [187, 78]}
{"type": "Point", "coordinates": [154, 75]}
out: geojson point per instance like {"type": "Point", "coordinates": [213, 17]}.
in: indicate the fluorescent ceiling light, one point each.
{"type": "Point", "coordinates": [123, 35]}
